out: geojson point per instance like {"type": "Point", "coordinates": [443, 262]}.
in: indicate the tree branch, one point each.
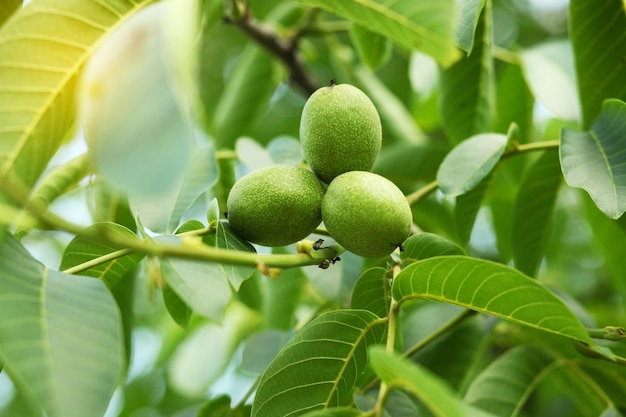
{"type": "Point", "coordinates": [284, 49]}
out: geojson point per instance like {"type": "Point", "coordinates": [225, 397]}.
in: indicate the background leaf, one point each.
{"type": "Point", "coordinates": [438, 398]}
{"type": "Point", "coordinates": [550, 74]}
{"type": "Point", "coordinates": [247, 92]}
{"type": "Point", "coordinates": [372, 292]}
{"type": "Point", "coordinates": [81, 250]}
{"type": "Point", "coordinates": [594, 160]}
{"type": "Point", "coordinates": [319, 366]}
{"type": "Point", "coordinates": [504, 386]}
{"type": "Point", "coordinates": [599, 43]}
{"type": "Point", "coordinates": [136, 109]}
{"type": "Point", "coordinates": [469, 14]}
{"type": "Point", "coordinates": [374, 49]}
{"type": "Point", "coordinates": [60, 336]}
{"type": "Point", "coordinates": [467, 99]}
{"type": "Point", "coordinates": [163, 212]}
{"type": "Point", "coordinates": [470, 162]}
{"type": "Point", "coordinates": [201, 285]}
{"type": "Point", "coordinates": [429, 28]}
{"type": "Point", "coordinates": [491, 288]}
{"type": "Point", "coordinates": [38, 81]}
{"type": "Point", "coordinates": [533, 211]}
{"type": "Point", "coordinates": [7, 8]}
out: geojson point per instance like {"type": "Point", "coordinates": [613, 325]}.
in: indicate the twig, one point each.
{"type": "Point", "coordinates": [284, 49]}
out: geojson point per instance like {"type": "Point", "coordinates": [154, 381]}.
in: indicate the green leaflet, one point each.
{"type": "Point", "coordinates": [60, 336]}
{"type": "Point", "coordinates": [319, 366]}
{"type": "Point", "coordinates": [37, 101]}
{"type": "Point", "coordinates": [595, 161]}
{"type": "Point", "coordinates": [428, 27]}
{"type": "Point", "coordinates": [491, 288]}
{"type": "Point", "coordinates": [599, 42]}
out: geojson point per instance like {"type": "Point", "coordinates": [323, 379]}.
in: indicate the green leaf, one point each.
{"type": "Point", "coordinates": [178, 309]}
{"type": "Point", "coordinates": [60, 336]}
{"type": "Point", "coordinates": [372, 292]}
{"type": "Point", "coordinates": [246, 94]}
{"type": "Point", "coordinates": [81, 250]}
{"type": "Point", "coordinates": [220, 407]}
{"type": "Point", "coordinates": [399, 373]}
{"type": "Point", "coordinates": [533, 210]}
{"type": "Point", "coordinates": [319, 366]}
{"type": "Point", "coordinates": [491, 288]}
{"type": "Point", "coordinates": [201, 285]}
{"type": "Point", "coordinates": [467, 99]}
{"type": "Point", "coordinates": [261, 348]}
{"type": "Point", "coordinates": [163, 212]}
{"type": "Point", "coordinates": [466, 209]}
{"type": "Point", "coordinates": [470, 162]}
{"type": "Point", "coordinates": [594, 160]}
{"type": "Point", "coordinates": [135, 101]}
{"type": "Point", "coordinates": [282, 296]}
{"type": "Point", "coordinates": [426, 27]}
{"type": "Point", "coordinates": [505, 385]}
{"type": "Point", "coordinates": [599, 42]}
{"type": "Point", "coordinates": [43, 48]}
{"type": "Point", "coordinates": [334, 412]}
{"type": "Point", "coordinates": [427, 245]}
{"type": "Point", "coordinates": [373, 49]}
{"type": "Point", "coordinates": [7, 8]}
{"type": "Point", "coordinates": [397, 122]}
{"type": "Point", "coordinates": [226, 238]}
{"type": "Point", "coordinates": [549, 71]}
{"type": "Point", "coordinates": [469, 12]}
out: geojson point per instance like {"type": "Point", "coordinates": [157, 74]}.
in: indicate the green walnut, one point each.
{"type": "Point", "coordinates": [275, 206]}
{"type": "Point", "coordinates": [366, 214]}
{"type": "Point", "coordinates": [340, 131]}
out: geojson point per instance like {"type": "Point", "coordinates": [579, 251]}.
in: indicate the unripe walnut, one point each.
{"type": "Point", "coordinates": [340, 131]}
{"type": "Point", "coordinates": [275, 206]}
{"type": "Point", "coordinates": [366, 213]}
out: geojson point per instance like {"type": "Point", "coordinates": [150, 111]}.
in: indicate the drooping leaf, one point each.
{"type": "Point", "coordinates": [469, 14]}
{"type": "Point", "coordinates": [397, 403]}
{"type": "Point", "coordinates": [374, 49]}
{"type": "Point", "coordinates": [594, 160]}
{"type": "Point", "coordinates": [533, 211]}
{"type": "Point", "coordinates": [427, 245]}
{"type": "Point", "coordinates": [515, 102]}
{"type": "Point", "coordinates": [599, 42]}
{"type": "Point", "coordinates": [201, 285]}
{"type": "Point", "coordinates": [399, 373]}
{"type": "Point", "coordinates": [372, 292]}
{"type": "Point", "coordinates": [60, 336]}
{"type": "Point", "coordinates": [467, 99]}
{"type": "Point", "coordinates": [81, 250]}
{"type": "Point", "coordinates": [319, 366]}
{"type": "Point", "coordinates": [178, 309]}
{"type": "Point", "coordinates": [466, 209]}
{"type": "Point", "coordinates": [491, 288]}
{"type": "Point", "coordinates": [42, 50]}
{"type": "Point", "coordinates": [470, 162]}
{"type": "Point", "coordinates": [425, 27]}
{"type": "Point", "coordinates": [505, 384]}
{"type": "Point", "coordinates": [135, 98]}
{"type": "Point", "coordinates": [549, 71]}
{"type": "Point", "coordinates": [226, 238]}
{"type": "Point", "coordinates": [246, 94]}
{"type": "Point", "coordinates": [282, 296]}
{"type": "Point", "coordinates": [163, 212]}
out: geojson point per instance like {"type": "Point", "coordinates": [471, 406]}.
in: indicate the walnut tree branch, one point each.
{"type": "Point", "coordinates": [284, 49]}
